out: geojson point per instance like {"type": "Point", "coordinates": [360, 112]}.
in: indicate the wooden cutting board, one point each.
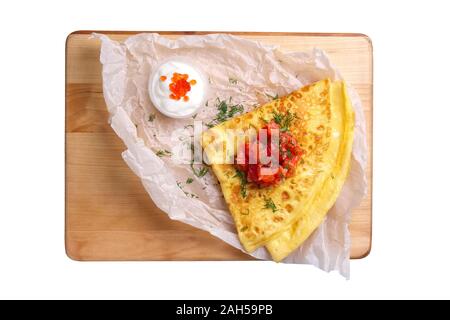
{"type": "Point", "coordinates": [109, 215]}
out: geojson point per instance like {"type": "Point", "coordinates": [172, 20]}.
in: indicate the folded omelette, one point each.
{"type": "Point", "coordinates": [281, 216]}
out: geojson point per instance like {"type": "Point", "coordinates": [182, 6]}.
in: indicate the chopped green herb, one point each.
{"type": "Point", "coordinates": [199, 173]}
{"type": "Point", "coordinates": [243, 179]}
{"type": "Point", "coordinates": [238, 108]}
{"type": "Point", "coordinates": [277, 117]}
{"type": "Point", "coordinates": [223, 108]}
{"type": "Point", "coordinates": [226, 110]}
{"type": "Point", "coordinates": [189, 180]}
{"type": "Point", "coordinates": [151, 117]}
{"type": "Point", "coordinates": [275, 97]}
{"type": "Point", "coordinates": [289, 154]}
{"type": "Point", "coordinates": [163, 153]}
{"type": "Point", "coordinates": [269, 204]}
{"type": "Point", "coordinates": [188, 194]}
{"type": "Point", "coordinates": [283, 120]}
{"type": "Point", "coordinates": [232, 81]}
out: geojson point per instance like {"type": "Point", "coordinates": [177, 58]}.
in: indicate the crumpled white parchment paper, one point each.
{"type": "Point", "coordinates": [248, 71]}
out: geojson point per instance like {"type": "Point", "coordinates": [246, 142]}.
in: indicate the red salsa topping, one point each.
{"type": "Point", "coordinates": [268, 174]}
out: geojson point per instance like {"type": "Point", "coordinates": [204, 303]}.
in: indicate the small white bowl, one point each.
{"type": "Point", "coordinates": [159, 94]}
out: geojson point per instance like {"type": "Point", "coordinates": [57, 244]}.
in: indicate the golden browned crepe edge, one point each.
{"type": "Point", "coordinates": [299, 231]}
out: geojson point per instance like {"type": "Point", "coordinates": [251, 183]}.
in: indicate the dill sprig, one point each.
{"type": "Point", "coordinates": [188, 194]}
{"type": "Point", "coordinates": [275, 97]}
{"type": "Point", "coordinates": [163, 153]}
{"type": "Point", "coordinates": [200, 172]}
{"type": "Point", "coordinates": [284, 120]}
{"type": "Point", "coordinates": [226, 110]}
{"type": "Point", "coordinates": [269, 204]}
{"type": "Point", "coordinates": [243, 181]}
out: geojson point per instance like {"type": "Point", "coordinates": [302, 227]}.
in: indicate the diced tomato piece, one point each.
{"type": "Point", "coordinates": [270, 174]}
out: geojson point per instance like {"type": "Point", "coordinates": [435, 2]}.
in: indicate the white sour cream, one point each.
{"type": "Point", "coordinates": [160, 93]}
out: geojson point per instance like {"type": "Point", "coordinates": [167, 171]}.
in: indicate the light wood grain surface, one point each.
{"type": "Point", "coordinates": [109, 215]}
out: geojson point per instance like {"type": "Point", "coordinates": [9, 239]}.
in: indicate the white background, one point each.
{"type": "Point", "coordinates": [410, 256]}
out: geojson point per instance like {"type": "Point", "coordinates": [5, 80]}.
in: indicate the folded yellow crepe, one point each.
{"type": "Point", "coordinates": [323, 127]}
{"type": "Point", "coordinates": [340, 150]}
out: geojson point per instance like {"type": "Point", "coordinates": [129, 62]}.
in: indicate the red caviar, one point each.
{"type": "Point", "coordinates": [179, 86]}
{"type": "Point", "coordinates": [289, 155]}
